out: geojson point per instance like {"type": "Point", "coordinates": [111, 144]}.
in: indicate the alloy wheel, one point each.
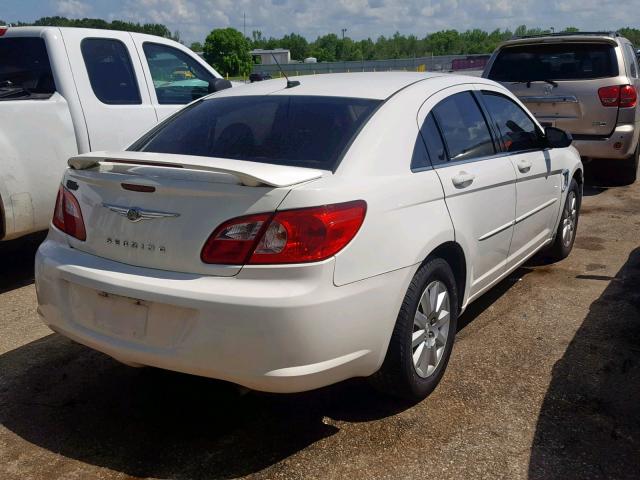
{"type": "Point", "coordinates": [430, 328]}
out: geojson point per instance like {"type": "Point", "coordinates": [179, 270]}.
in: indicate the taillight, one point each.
{"type": "Point", "coordinates": [628, 96]}
{"type": "Point", "coordinates": [624, 96]}
{"type": "Point", "coordinates": [67, 215]}
{"type": "Point", "coordinates": [291, 236]}
{"type": "Point", "coordinates": [233, 242]}
{"type": "Point", "coordinates": [3, 30]}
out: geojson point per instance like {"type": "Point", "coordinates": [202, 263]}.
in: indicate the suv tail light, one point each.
{"type": "Point", "coordinates": [624, 96]}
{"type": "Point", "coordinates": [67, 215]}
{"type": "Point", "coordinates": [628, 96]}
{"type": "Point", "coordinates": [291, 236]}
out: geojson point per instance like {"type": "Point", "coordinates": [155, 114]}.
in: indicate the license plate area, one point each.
{"type": "Point", "coordinates": [120, 316]}
{"type": "Point", "coordinates": [110, 314]}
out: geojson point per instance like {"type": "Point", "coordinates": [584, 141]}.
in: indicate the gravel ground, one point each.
{"type": "Point", "coordinates": [544, 383]}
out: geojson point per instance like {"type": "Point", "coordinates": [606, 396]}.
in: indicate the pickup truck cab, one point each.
{"type": "Point", "coordinates": [67, 91]}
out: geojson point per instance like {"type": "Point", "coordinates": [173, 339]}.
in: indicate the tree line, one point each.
{"type": "Point", "coordinates": [57, 21]}
{"type": "Point", "coordinates": [228, 50]}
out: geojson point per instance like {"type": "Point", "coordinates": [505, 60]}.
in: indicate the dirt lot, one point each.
{"type": "Point", "coordinates": [544, 383]}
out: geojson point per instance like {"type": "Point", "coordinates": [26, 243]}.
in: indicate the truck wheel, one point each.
{"type": "Point", "coordinates": [568, 227]}
{"type": "Point", "coordinates": [630, 167]}
{"type": "Point", "coordinates": [423, 336]}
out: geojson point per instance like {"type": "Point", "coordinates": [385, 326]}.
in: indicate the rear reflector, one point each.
{"type": "Point", "coordinates": [291, 236]}
{"type": "Point", "coordinates": [67, 215]}
{"type": "Point", "coordinates": [623, 96]}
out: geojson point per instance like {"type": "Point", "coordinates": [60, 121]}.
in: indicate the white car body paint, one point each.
{"type": "Point", "coordinates": [37, 137]}
{"type": "Point", "coordinates": [287, 328]}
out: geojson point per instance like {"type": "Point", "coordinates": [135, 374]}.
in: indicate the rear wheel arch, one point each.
{"type": "Point", "coordinates": [454, 255]}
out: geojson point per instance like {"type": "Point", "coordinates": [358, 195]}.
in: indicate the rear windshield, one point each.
{"type": "Point", "coordinates": [304, 131]}
{"type": "Point", "coordinates": [558, 61]}
{"type": "Point", "coordinates": [25, 72]}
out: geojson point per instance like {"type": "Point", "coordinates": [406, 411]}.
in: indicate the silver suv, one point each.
{"type": "Point", "coordinates": [584, 83]}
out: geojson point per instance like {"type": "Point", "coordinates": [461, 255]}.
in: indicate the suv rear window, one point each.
{"type": "Point", "coordinates": [25, 72]}
{"type": "Point", "coordinates": [306, 131]}
{"type": "Point", "coordinates": [557, 61]}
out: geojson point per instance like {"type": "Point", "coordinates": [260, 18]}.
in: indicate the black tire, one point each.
{"type": "Point", "coordinates": [398, 376]}
{"type": "Point", "coordinates": [630, 167]}
{"type": "Point", "coordinates": [562, 246]}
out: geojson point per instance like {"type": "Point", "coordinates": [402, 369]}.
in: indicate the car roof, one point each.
{"type": "Point", "coordinates": [371, 85]}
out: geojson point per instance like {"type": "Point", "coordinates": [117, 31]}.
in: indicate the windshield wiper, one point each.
{"type": "Point", "coordinates": [13, 91]}
{"type": "Point", "coordinates": [529, 82]}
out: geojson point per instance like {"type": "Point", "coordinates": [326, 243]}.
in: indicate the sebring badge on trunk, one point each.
{"type": "Point", "coordinates": [136, 214]}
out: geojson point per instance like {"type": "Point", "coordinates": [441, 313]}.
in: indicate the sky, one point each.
{"type": "Point", "coordinates": [362, 18]}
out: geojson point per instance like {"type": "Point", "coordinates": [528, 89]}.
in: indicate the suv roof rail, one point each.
{"type": "Point", "coordinates": [567, 34]}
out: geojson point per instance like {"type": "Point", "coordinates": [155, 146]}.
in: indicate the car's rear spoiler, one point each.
{"type": "Point", "coordinates": [251, 174]}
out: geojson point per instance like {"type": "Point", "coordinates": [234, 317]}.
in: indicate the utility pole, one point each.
{"type": "Point", "coordinates": [244, 24]}
{"type": "Point", "coordinates": [344, 30]}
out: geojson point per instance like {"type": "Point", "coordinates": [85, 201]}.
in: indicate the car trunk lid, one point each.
{"type": "Point", "coordinates": [571, 105]}
{"type": "Point", "coordinates": [157, 210]}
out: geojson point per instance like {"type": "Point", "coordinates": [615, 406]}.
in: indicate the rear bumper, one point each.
{"type": "Point", "coordinates": [291, 334]}
{"type": "Point", "coordinates": [619, 146]}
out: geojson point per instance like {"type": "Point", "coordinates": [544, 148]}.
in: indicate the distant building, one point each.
{"type": "Point", "coordinates": [265, 57]}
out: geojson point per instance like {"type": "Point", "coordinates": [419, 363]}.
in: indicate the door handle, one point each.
{"type": "Point", "coordinates": [524, 166]}
{"type": "Point", "coordinates": [463, 179]}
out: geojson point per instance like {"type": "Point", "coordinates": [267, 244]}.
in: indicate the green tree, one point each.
{"type": "Point", "coordinates": [196, 47]}
{"type": "Point", "coordinates": [297, 44]}
{"type": "Point", "coordinates": [228, 51]}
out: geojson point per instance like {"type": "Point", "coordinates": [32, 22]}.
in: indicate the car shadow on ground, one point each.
{"type": "Point", "coordinates": [589, 423]}
{"type": "Point", "coordinates": [16, 261]}
{"type": "Point", "coordinates": [67, 399]}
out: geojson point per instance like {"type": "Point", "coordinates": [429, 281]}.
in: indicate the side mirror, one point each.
{"type": "Point", "coordinates": [557, 138]}
{"type": "Point", "coordinates": [218, 84]}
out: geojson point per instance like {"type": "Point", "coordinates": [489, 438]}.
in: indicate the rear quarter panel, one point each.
{"type": "Point", "coordinates": [406, 215]}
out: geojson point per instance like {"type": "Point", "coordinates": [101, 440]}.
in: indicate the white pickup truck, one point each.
{"type": "Point", "coordinates": [65, 91]}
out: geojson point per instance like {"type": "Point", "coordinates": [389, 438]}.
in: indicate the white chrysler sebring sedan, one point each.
{"type": "Point", "coordinates": [286, 236]}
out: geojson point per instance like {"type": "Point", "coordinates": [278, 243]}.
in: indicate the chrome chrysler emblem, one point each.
{"type": "Point", "coordinates": [136, 214]}
{"type": "Point", "coordinates": [133, 215]}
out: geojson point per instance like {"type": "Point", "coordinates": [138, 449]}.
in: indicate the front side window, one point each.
{"type": "Point", "coordinates": [177, 78]}
{"type": "Point", "coordinates": [110, 71]}
{"type": "Point", "coordinates": [297, 130]}
{"type": "Point", "coordinates": [25, 71]}
{"type": "Point", "coordinates": [517, 131]}
{"type": "Point", "coordinates": [555, 61]}
{"type": "Point", "coordinates": [463, 127]}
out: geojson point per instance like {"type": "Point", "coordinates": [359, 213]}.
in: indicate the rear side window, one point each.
{"type": "Point", "coordinates": [110, 71]}
{"type": "Point", "coordinates": [555, 61]}
{"type": "Point", "coordinates": [25, 71]}
{"type": "Point", "coordinates": [177, 78]}
{"type": "Point", "coordinates": [517, 131]}
{"type": "Point", "coordinates": [298, 130]}
{"type": "Point", "coordinates": [463, 127]}
{"type": "Point", "coordinates": [632, 60]}
{"type": "Point", "coordinates": [433, 141]}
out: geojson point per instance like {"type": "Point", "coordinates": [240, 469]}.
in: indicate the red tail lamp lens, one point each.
{"type": "Point", "coordinates": [291, 236]}
{"type": "Point", "coordinates": [67, 215]}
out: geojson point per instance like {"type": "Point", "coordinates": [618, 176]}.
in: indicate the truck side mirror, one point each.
{"type": "Point", "coordinates": [557, 138]}
{"type": "Point", "coordinates": [218, 84]}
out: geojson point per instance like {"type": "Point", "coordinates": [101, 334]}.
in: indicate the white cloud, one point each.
{"type": "Point", "coordinates": [71, 8]}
